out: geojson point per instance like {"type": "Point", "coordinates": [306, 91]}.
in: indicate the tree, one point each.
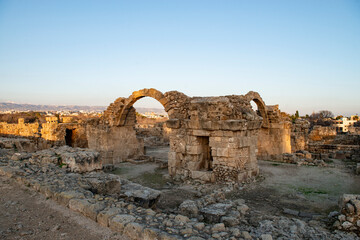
{"type": "Point", "coordinates": [297, 114]}
{"type": "Point", "coordinates": [326, 114]}
{"type": "Point", "coordinates": [321, 118]}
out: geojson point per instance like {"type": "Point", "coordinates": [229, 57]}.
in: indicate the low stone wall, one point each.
{"type": "Point", "coordinates": [337, 151]}
{"type": "Point", "coordinates": [20, 129]}
{"type": "Point", "coordinates": [52, 132]}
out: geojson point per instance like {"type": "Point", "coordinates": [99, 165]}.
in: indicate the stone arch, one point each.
{"type": "Point", "coordinates": [254, 96]}
{"type": "Point", "coordinates": [135, 96]}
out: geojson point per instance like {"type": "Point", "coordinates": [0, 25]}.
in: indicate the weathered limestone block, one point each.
{"type": "Point", "coordinates": [189, 208]}
{"type": "Point", "coordinates": [151, 234]}
{"type": "Point", "coordinates": [144, 196]}
{"type": "Point", "coordinates": [134, 230]}
{"type": "Point", "coordinates": [106, 185]}
{"type": "Point", "coordinates": [104, 216]}
{"type": "Point", "coordinates": [85, 207]}
{"type": "Point", "coordinates": [64, 197]}
{"type": "Point", "coordinates": [214, 212]}
{"type": "Point", "coordinates": [118, 222]}
{"type": "Point", "coordinates": [79, 160]}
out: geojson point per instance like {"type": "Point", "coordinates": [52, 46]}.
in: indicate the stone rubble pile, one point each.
{"type": "Point", "coordinates": [76, 159]}
{"type": "Point", "coordinates": [349, 217]}
{"type": "Point", "coordinates": [302, 158]}
{"type": "Point", "coordinates": [125, 207]}
{"type": "Point", "coordinates": [21, 144]}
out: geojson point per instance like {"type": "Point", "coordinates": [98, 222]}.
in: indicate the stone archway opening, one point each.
{"type": "Point", "coordinates": [151, 129]}
{"type": "Point", "coordinates": [255, 107]}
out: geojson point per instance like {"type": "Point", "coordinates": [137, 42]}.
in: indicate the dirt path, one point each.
{"type": "Point", "coordinates": [26, 214]}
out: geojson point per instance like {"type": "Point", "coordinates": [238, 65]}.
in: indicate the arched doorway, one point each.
{"type": "Point", "coordinates": [150, 127]}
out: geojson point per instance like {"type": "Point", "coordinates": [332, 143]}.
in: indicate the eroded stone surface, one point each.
{"type": "Point", "coordinates": [120, 214]}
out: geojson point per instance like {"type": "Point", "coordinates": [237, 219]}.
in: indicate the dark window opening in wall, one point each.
{"type": "Point", "coordinates": [69, 137]}
{"type": "Point", "coordinates": [205, 155]}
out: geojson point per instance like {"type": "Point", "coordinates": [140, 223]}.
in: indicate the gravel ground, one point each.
{"type": "Point", "coordinates": [25, 214]}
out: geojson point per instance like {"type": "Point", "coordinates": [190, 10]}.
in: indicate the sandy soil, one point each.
{"type": "Point", "coordinates": [26, 214]}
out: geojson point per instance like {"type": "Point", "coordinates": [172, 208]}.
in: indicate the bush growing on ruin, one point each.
{"type": "Point", "coordinates": [294, 116]}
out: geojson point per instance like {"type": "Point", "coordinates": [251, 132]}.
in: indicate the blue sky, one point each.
{"type": "Point", "coordinates": [301, 55]}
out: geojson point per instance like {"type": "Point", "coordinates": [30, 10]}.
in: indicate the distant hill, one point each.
{"type": "Point", "coordinates": [4, 106]}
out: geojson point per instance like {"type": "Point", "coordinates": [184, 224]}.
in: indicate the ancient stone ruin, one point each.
{"type": "Point", "coordinates": [211, 138]}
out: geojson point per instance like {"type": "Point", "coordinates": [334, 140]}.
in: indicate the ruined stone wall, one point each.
{"type": "Point", "coordinates": [216, 141]}
{"type": "Point", "coordinates": [322, 133]}
{"type": "Point", "coordinates": [52, 132]}
{"type": "Point", "coordinates": [115, 144]}
{"type": "Point", "coordinates": [274, 140]}
{"type": "Point", "coordinates": [299, 135]}
{"type": "Point", "coordinates": [20, 129]}
{"type": "Point", "coordinates": [211, 138]}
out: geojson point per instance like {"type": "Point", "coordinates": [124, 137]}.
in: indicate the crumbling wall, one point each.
{"type": "Point", "coordinates": [299, 135]}
{"type": "Point", "coordinates": [275, 139]}
{"type": "Point", "coordinates": [216, 141]}
{"type": "Point", "coordinates": [322, 133]}
{"type": "Point", "coordinates": [211, 138]}
{"type": "Point", "coordinates": [52, 132]}
{"type": "Point", "coordinates": [115, 144]}
{"type": "Point", "coordinates": [20, 129]}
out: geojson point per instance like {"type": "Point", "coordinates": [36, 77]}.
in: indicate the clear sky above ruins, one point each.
{"type": "Point", "coordinates": [302, 55]}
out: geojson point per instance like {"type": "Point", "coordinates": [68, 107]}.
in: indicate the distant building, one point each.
{"type": "Point", "coordinates": [343, 124]}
